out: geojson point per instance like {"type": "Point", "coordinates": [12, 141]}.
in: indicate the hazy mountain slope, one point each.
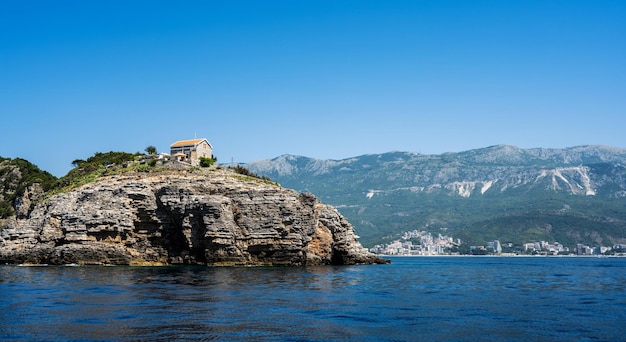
{"type": "Point", "coordinates": [571, 195]}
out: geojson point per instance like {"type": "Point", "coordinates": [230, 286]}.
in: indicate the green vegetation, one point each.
{"type": "Point", "coordinates": [103, 164]}
{"type": "Point", "coordinates": [244, 171]}
{"type": "Point", "coordinates": [387, 194]}
{"type": "Point", "coordinates": [151, 150]}
{"type": "Point", "coordinates": [249, 175]}
{"type": "Point", "coordinates": [206, 162]}
{"type": "Point", "coordinates": [18, 174]}
{"type": "Point", "coordinates": [32, 174]}
{"type": "Point", "coordinates": [86, 171]}
{"type": "Point", "coordinates": [6, 209]}
{"type": "Point", "coordinates": [15, 176]}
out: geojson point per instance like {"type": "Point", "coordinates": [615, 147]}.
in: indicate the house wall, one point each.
{"type": "Point", "coordinates": [194, 152]}
{"type": "Point", "coordinates": [186, 150]}
{"type": "Point", "coordinates": [204, 150]}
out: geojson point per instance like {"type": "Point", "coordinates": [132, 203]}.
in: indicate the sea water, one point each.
{"type": "Point", "coordinates": [412, 299]}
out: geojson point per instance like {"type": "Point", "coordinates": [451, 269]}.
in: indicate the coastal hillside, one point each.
{"type": "Point", "coordinates": [573, 195]}
{"type": "Point", "coordinates": [161, 214]}
{"type": "Point", "coordinates": [16, 176]}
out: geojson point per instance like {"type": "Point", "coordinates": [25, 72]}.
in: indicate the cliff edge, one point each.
{"type": "Point", "coordinates": [195, 216]}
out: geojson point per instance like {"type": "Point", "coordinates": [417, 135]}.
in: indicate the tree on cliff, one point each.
{"type": "Point", "coordinates": [151, 150]}
{"type": "Point", "coordinates": [77, 162]}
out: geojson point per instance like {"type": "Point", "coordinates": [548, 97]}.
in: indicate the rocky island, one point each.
{"type": "Point", "coordinates": [202, 216]}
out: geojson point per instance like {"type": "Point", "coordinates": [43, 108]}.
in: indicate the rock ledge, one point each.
{"type": "Point", "coordinates": [204, 217]}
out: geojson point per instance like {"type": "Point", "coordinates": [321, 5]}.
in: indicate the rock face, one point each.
{"type": "Point", "coordinates": [206, 217]}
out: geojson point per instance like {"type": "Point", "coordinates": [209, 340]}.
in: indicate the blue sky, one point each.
{"type": "Point", "coordinates": [323, 79]}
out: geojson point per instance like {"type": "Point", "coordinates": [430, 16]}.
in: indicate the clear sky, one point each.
{"type": "Point", "coordinates": [323, 79]}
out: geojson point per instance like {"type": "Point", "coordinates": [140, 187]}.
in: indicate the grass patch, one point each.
{"type": "Point", "coordinates": [251, 179]}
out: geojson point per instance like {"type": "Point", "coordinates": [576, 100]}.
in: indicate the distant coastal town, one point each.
{"type": "Point", "coordinates": [414, 243]}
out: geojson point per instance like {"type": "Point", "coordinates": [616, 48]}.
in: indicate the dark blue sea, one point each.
{"type": "Point", "coordinates": [412, 299]}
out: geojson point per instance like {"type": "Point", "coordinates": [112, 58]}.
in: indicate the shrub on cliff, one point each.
{"type": "Point", "coordinates": [244, 171]}
{"type": "Point", "coordinates": [6, 209]}
{"type": "Point", "coordinates": [32, 174]}
{"type": "Point", "coordinates": [16, 175]}
{"type": "Point", "coordinates": [206, 162]}
{"type": "Point", "coordinates": [95, 164]}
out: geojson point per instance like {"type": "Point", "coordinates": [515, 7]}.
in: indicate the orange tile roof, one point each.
{"type": "Point", "coordinates": [186, 142]}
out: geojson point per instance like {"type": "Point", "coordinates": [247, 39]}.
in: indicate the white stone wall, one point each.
{"type": "Point", "coordinates": [204, 150]}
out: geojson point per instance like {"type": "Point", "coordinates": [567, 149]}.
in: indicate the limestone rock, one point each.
{"type": "Point", "coordinates": [25, 203]}
{"type": "Point", "coordinates": [207, 217]}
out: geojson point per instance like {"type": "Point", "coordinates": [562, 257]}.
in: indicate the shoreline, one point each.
{"type": "Point", "coordinates": [504, 256]}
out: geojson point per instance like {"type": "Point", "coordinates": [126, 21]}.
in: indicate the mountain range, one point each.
{"type": "Point", "coordinates": [571, 195]}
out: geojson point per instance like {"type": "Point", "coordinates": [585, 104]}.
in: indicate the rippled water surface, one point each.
{"type": "Point", "coordinates": [414, 298]}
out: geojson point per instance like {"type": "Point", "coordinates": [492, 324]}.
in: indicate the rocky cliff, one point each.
{"type": "Point", "coordinates": [206, 217]}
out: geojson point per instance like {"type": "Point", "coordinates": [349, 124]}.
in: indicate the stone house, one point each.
{"type": "Point", "coordinates": [190, 151]}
